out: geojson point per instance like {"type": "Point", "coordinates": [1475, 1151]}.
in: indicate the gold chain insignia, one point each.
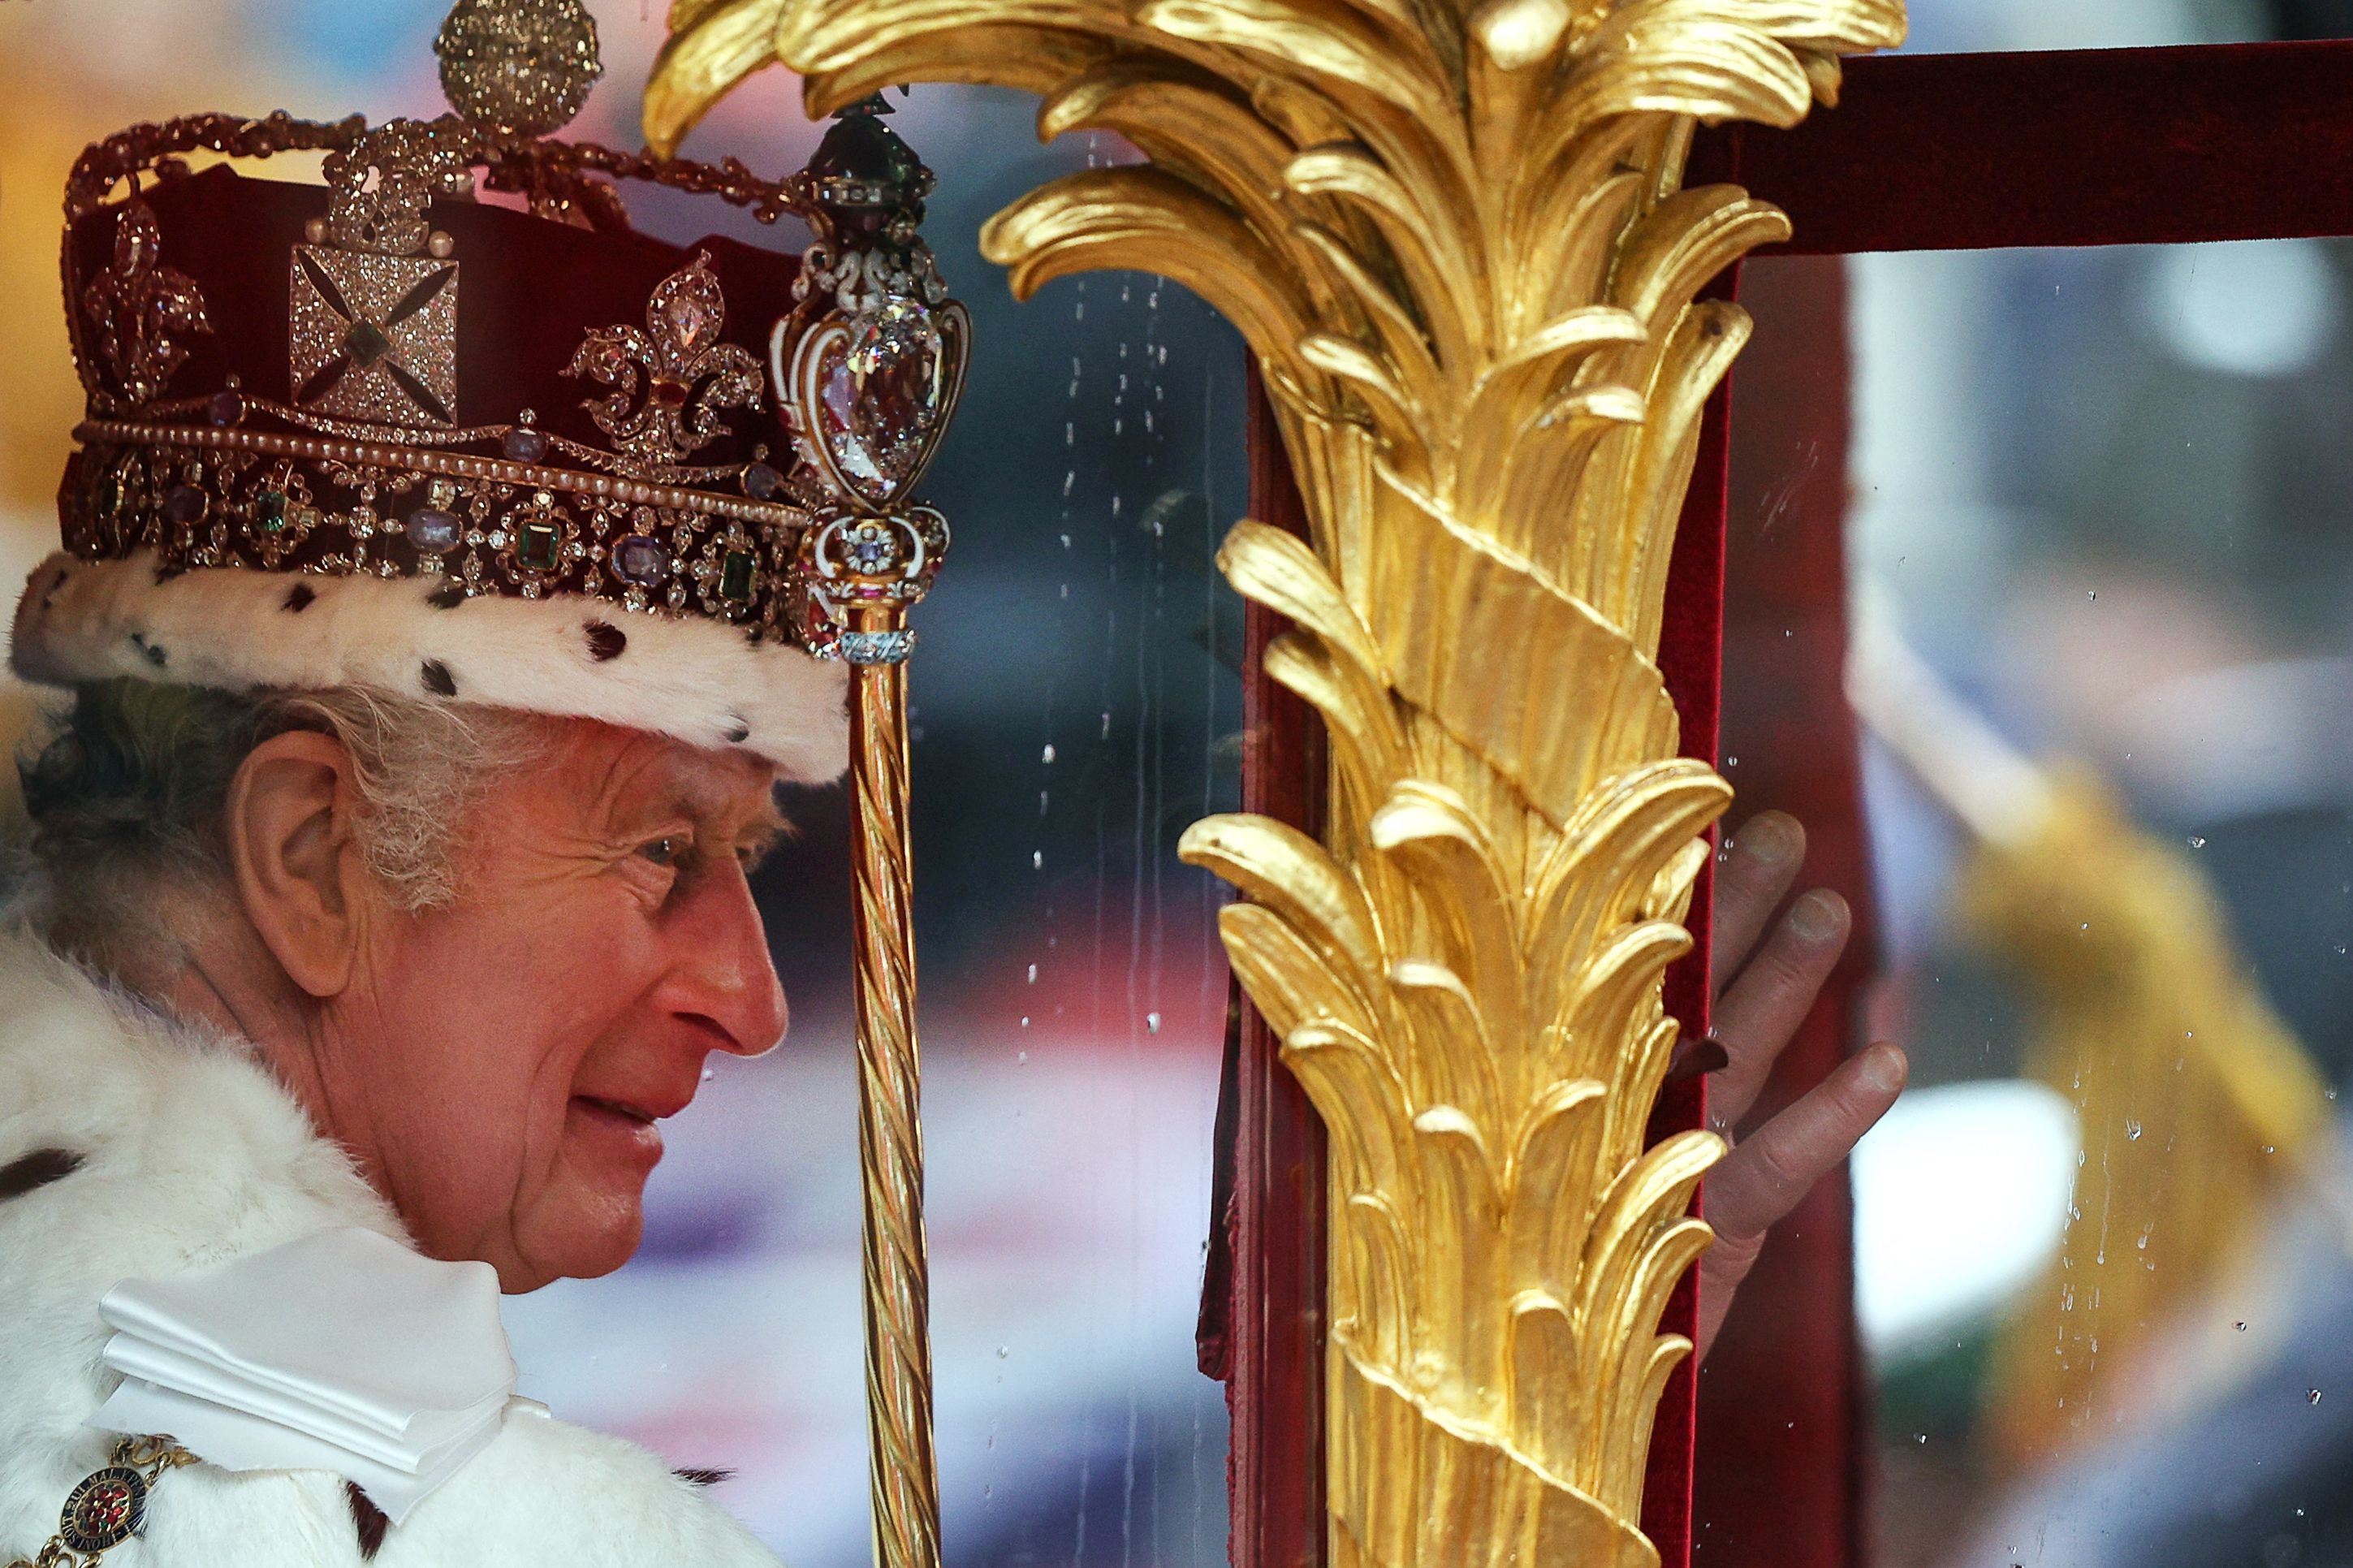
{"type": "Point", "coordinates": [109, 1506]}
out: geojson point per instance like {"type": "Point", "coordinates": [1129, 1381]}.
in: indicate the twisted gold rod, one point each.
{"type": "Point", "coordinates": [904, 1471]}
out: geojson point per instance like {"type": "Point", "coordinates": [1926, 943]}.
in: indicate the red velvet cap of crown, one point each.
{"type": "Point", "coordinates": [530, 288]}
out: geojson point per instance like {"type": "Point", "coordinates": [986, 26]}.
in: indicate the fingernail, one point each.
{"type": "Point", "coordinates": [1697, 1058]}
{"type": "Point", "coordinates": [1817, 916]}
{"type": "Point", "coordinates": [1885, 1068]}
{"type": "Point", "coordinates": [1770, 838]}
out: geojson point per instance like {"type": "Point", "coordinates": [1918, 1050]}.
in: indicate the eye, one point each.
{"type": "Point", "coordinates": [664, 851]}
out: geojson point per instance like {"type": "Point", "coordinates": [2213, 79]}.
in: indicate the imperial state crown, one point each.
{"type": "Point", "coordinates": [447, 425]}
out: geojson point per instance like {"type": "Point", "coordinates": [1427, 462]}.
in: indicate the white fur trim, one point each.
{"type": "Point", "coordinates": [192, 1154]}
{"type": "Point", "coordinates": [696, 679]}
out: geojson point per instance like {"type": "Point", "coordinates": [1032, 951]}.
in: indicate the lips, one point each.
{"type": "Point", "coordinates": [621, 1107]}
{"type": "Point", "coordinates": [646, 1105]}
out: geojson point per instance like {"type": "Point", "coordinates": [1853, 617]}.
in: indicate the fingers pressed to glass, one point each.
{"type": "Point", "coordinates": [1757, 1015]}
{"type": "Point", "coordinates": [1755, 875]}
{"type": "Point", "coordinates": [1762, 1179]}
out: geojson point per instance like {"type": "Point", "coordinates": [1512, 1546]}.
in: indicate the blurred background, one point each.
{"type": "Point", "coordinates": [2100, 557]}
{"type": "Point", "coordinates": [1074, 705]}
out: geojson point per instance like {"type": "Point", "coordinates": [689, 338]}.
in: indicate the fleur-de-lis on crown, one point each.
{"type": "Point", "coordinates": [142, 312]}
{"type": "Point", "coordinates": [669, 380]}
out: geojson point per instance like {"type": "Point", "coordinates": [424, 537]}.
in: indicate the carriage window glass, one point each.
{"type": "Point", "coordinates": [2100, 549]}
{"type": "Point", "coordinates": [1075, 704]}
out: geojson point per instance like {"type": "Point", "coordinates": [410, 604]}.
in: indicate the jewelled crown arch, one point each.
{"type": "Point", "coordinates": [1457, 240]}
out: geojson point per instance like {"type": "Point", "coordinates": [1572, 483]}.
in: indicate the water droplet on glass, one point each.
{"type": "Point", "coordinates": [2093, 594]}
{"type": "Point", "coordinates": [2312, 1396]}
{"type": "Point", "coordinates": [2196, 841]}
{"type": "Point", "coordinates": [1003, 1352]}
{"type": "Point", "coordinates": [1152, 1024]}
{"type": "Point", "coordinates": [708, 1074]}
{"type": "Point", "coordinates": [1047, 755]}
{"type": "Point", "coordinates": [2132, 1128]}
{"type": "Point", "coordinates": [1033, 974]}
{"type": "Point", "coordinates": [2241, 1327]}
{"type": "Point", "coordinates": [1037, 860]}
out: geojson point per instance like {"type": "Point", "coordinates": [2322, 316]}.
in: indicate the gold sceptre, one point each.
{"type": "Point", "coordinates": [2197, 1103]}
{"type": "Point", "coordinates": [869, 389]}
{"type": "Point", "coordinates": [1456, 235]}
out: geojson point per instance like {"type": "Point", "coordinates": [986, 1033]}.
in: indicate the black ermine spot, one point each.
{"type": "Point", "coordinates": [606, 640]}
{"type": "Point", "coordinates": [300, 597]}
{"type": "Point", "coordinates": [437, 679]}
{"type": "Point", "coordinates": [450, 598]}
{"type": "Point", "coordinates": [38, 1169]}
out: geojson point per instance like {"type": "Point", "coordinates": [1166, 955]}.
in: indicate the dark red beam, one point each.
{"type": "Point", "coordinates": [2078, 147]}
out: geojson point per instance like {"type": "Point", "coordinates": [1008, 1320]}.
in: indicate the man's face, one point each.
{"type": "Point", "coordinates": [501, 1063]}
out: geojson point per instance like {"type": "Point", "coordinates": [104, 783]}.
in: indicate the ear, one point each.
{"type": "Point", "coordinates": [290, 821]}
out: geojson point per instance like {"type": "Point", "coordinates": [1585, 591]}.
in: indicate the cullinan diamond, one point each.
{"type": "Point", "coordinates": [882, 395]}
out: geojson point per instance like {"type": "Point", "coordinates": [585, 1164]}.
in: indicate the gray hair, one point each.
{"type": "Point", "coordinates": [126, 799]}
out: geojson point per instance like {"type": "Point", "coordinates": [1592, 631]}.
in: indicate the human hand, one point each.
{"type": "Point", "coordinates": [1765, 985]}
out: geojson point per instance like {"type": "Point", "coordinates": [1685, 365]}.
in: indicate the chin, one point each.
{"type": "Point", "coordinates": [597, 1242]}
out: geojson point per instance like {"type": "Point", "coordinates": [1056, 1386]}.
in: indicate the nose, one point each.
{"type": "Point", "coordinates": [721, 974]}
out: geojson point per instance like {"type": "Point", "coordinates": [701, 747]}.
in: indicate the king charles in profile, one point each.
{"type": "Point", "coordinates": [432, 633]}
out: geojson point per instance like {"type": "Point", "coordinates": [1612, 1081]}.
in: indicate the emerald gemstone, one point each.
{"type": "Point", "coordinates": [735, 576]}
{"type": "Point", "coordinates": [270, 510]}
{"type": "Point", "coordinates": [539, 546]}
{"type": "Point", "coordinates": [365, 343]}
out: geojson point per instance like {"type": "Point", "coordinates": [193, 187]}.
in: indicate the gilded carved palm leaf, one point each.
{"type": "Point", "coordinates": [1457, 242]}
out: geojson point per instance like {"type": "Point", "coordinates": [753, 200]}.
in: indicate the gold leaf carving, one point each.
{"type": "Point", "coordinates": [1456, 237]}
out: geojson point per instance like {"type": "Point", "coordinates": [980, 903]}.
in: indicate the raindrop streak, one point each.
{"type": "Point", "coordinates": [2132, 1128]}
{"type": "Point", "coordinates": [2312, 1396]}
{"type": "Point", "coordinates": [1152, 1024]}
{"type": "Point", "coordinates": [2196, 841]}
